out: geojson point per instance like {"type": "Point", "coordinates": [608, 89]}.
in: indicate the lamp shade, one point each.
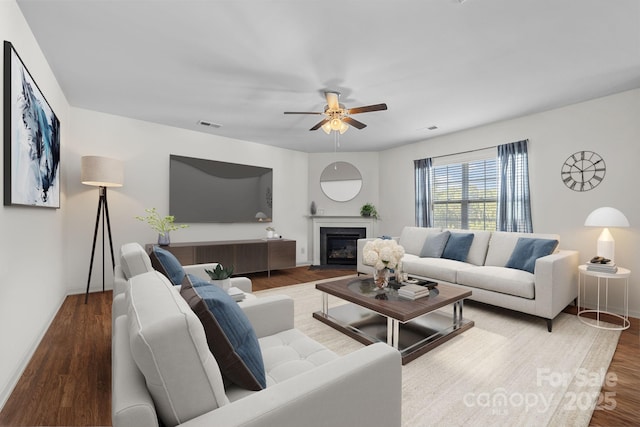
{"type": "Point", "coordinates": [102, 171]}
{"type": "Point", "coordinates": [606, 217]}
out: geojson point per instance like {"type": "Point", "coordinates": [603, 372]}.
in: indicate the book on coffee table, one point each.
{"type": "Point", "coordinates": [413, 291]}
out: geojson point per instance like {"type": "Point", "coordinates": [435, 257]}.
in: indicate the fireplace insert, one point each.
{"type": "Point", "coordinates": [338, 245]}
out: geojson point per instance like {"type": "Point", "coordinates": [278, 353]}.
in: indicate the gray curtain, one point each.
{"type": "Point", "coordinates": [514, 204]}
{"type": "Point", "coordinates": [423, 177]}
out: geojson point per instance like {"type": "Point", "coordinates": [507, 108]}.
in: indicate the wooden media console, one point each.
{"type": "Point", "coordinates": [246, 256]}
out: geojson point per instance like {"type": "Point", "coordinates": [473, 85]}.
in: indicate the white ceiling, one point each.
{"type": "Point", "coordinates": [242, 63]}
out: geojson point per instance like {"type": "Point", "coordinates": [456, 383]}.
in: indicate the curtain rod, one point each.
{"type": "Point", "coordinates": [465, 152]}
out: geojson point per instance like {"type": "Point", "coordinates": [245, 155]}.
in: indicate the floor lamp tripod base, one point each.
{"type": "Point", "coordinates": [103, 210]}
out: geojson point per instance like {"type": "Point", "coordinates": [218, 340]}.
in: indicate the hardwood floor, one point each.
{"type": "Point", "coordinates": [68, 380]}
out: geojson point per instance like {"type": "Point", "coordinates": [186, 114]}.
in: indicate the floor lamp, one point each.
{"type": "Point", "coordinates": [101, 172]}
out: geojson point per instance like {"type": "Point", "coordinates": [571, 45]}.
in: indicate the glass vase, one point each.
{"type": "Point", "coordinates": [164, 239]}
{"type": "Point", "coordinates": [381, 278]}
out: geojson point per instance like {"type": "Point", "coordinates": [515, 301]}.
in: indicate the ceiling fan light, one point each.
{"type": "Point", "coordinates": [326, 128]}
{"type": "Point", "coordinates": [336, 124]}
{"type": "Point", "coordinates": [343, 128]}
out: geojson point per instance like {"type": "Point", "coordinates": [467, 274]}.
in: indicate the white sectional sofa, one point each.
{"type": "Point", "coordinates": [165, 374]}
{"type": "Point", "coordinates": [545, 292]}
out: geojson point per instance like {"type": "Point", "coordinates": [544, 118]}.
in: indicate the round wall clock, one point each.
{"type": "Point", "coordinates": [583, 171]}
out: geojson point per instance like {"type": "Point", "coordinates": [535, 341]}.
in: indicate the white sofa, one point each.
{"type": "Point", "coordinates": [544, 293]}
{"type": "Point", "coordinates": [164, 371]}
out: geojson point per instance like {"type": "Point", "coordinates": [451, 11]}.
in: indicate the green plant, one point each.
{"type": "Point", "coordinates": [368, 209]}
{"type": "Point", "coordinates": [220, 272]}
{"type": "Point", "coordinates": [158, 223]}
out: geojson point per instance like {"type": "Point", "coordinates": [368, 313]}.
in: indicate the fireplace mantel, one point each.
{"type": "Point", "coordinates": [320, 221]}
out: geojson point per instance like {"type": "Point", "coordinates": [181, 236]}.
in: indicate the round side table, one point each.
{"type": "Point", "coordinates": [603, 279]}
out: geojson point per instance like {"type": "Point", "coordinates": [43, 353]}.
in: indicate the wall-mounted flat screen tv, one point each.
{"type": "Point", "coordinates": [202, 190]}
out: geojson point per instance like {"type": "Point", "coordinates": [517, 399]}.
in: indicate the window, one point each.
{"type": "Point", "coordinates": [475, 190]}
{"type": "Point", "coordinates": [465, 195]}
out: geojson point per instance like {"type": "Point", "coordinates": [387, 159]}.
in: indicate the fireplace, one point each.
{"type": "Point", "coordinates": [338, 245]}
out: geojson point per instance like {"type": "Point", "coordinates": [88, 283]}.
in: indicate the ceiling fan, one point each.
{"type": "Point", "coordinates": [337, 117]}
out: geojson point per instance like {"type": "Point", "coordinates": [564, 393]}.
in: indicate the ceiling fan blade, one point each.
{"type": "Point", "coordinates": [302, 112]}
{"type": "Point", "coordinates": [367, 109]}
{"type": "Point", "coordinates": [354, 123]}
{"type": "Point", "coordinates": [332, 100]}
{"type": "Point", "coordinates": [319, 124]}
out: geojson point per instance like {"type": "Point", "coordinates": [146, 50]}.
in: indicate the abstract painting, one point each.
{"type": "Point", "coordinates": [31, 139]}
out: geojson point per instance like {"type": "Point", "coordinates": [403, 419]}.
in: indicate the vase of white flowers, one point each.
{"type": "Point", "coordinates": [163, 225]}
{"type": "Point", "coordinates": [383, 256]}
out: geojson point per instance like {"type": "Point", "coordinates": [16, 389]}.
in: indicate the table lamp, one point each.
{"type": "Point", "coordinates": [101, 172]}
{"type": "Point", "coordinates": [606, 217]}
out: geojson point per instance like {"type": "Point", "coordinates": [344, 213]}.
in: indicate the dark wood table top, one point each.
{"type": "Point", "coordinates": [400, 309]}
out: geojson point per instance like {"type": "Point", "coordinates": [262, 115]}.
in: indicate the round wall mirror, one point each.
{"type": "Point", "coordinates": [341, 181]}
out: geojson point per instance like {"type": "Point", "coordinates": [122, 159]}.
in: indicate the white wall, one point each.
{"type": "Point", "coordinates": [608, 126]}
{"type": "Point", "coordinates": [145, 147]}
{"type": "Point", "coordinates": [31, 239]}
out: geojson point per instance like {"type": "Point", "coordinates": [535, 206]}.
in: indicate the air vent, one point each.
{"type": "Point", "coordinates": [432, 127]}
{"type": "Point", "coordinates": [209, 124]}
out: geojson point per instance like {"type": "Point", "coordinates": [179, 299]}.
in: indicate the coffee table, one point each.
{"type": "Point", "coordinates": [414, 327]}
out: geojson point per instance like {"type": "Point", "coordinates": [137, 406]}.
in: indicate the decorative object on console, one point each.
{"type": "Point", "coordinates": [221, 276]}
{"type": "Point", "coordinates": [369, 210]}
{"type": "Point", "coordinates": [606, 217]}
{"type": "Point", "coordinates": [163, 225]}
{"type": "Point", "coordinates": [32, 139]}
{"type": "Point", "coordinates": [382, 255]}
{"type": "Point", "coordinates": [583, 171]}
{"type": "Point", "coordinates": [101, 172]}
{"type": "Point", "coordinates": [270, 232]}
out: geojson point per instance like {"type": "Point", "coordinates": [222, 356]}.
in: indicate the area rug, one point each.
{"type": "Point", "coordinates": [507, 370]}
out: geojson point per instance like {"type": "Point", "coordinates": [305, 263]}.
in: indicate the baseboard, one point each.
{"type": "Point", "coordinates": [8, 389]}
{"type": "Point", "coordinates": [79, 291]}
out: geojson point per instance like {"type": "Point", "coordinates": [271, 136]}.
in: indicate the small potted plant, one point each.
{"type": "Point", "coordinates": [163, 225]}
{"type": "Point", "coordinates": [221, 276]}
{"type": "Point", "coordinates": [369, 210]}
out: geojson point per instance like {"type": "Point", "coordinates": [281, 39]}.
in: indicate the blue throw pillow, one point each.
{"type": "Point", "coordinates": [458, 246]}
{"type": "Point", "coordinates": [196, 281]}
{"type": "Point", "coordinates": [528, 250]}
{"type": "Point", "coordinates": [166, 263]}
{"type": "Point", "coordinates": [230, 336]}
{"type": "Point", "coordinates": [434, 244]}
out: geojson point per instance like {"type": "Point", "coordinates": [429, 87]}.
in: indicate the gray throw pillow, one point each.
{"type": "Point", "coordinates": [434, 245]}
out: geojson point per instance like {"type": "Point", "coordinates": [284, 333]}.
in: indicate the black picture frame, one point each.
{"type": "Point", "coordinates": [31, 139]}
